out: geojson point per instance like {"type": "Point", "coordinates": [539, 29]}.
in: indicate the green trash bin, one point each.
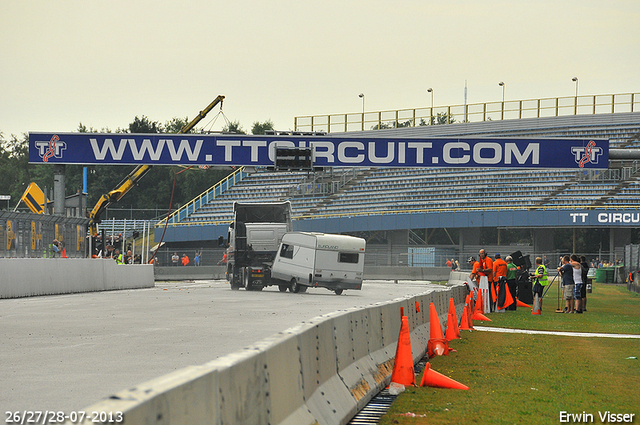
{"type": "Point", "coordinates": [611, 275]}
{"type": "Point", "coordinates": [601, 275]}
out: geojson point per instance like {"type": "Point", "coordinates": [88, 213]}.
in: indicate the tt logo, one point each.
{"type": "Point", "coordinates": [51, 149]}
{"type": "Point", "coordinates": [583, 155]}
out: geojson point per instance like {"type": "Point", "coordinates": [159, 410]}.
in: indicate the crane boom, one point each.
{"type": "Point", "coordinates": [139, 172]}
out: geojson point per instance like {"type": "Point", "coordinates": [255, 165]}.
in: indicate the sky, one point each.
{"type": "Point", "coordinates": [102, 63]}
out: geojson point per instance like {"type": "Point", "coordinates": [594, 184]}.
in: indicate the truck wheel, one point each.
{"type": "Point", "coordinates": [246, 281]}
{"type": "Point", "coordinates": [295, 286]}
{"type": "Point", "coordinates": [233, 280]}
{"type": "Point", "coordinates": [338, 291]}
{"type": "Point", "coordinates": [234, 284]}
{"type": "Point", "coordinates": [283, 288]}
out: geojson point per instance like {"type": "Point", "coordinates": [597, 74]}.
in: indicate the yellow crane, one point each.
{"type": "Point", "coordinates": [139, 172]}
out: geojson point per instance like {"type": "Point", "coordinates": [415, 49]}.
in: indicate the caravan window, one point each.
{"type": "Point", "coordinates": [348, 257]}
{"type": "Point", "coordinates": [286, 251]}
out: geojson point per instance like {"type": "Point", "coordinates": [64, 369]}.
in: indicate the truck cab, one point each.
{"type": "Point", "coordinates": [254, 237]}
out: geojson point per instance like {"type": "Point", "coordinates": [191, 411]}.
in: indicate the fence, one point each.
{"type": "Point", "coordinates": [488, 111]}
{"type": "Point", "coordinates": [27, 235]}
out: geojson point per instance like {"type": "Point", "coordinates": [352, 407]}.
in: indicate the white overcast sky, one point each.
{"type": "Point", "coordinates": [102, 63]}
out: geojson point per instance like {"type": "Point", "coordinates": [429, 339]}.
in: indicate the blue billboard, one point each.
{"type": "Point", "coordinates": [249, 150]}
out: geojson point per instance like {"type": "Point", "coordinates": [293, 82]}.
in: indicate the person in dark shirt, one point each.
{"type": "Point", "coordinates": [585, 272]}
{"type": "Point", "coordinates": [568, 285]}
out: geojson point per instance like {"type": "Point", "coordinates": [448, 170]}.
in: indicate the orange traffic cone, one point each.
{"type": "Point", "coordinates": [464, 322]}
{"type": "Point", "coordinates": [452, 326]}
{"type": "Point", "coordinates": [508, 298]}
{"type": "Point", "coordinates": [494, 294]}
{"type": "Point", "coordinates": [453, 317]}
{"type": "Point", "coordinates": [479, 304]}
{"type": "Point", "coordinates": [521, 304]}
{"type": "Point", "coordinates": [536, 305]}
{"type": "Point", "coordinates": [431, 378]}
{"type": "Point", "coordinates": [471, 309]}
{"type": "Point", "coordinates": [437, 344]}
{"type": "Point", "coordinates": [403, 372]}
{"type": "Point", "coordinates": [64, 252]}
{"type": "Point", "coordinates": [417, 306]}
{"type": "Point", "coordinates": [479, 316]}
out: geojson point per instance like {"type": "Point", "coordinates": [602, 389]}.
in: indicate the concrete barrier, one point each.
{"type": "Point", "coordinates": [410, 273]}
{"type": "Point", "coordinates": [370, 272]}
{"type": "Point", "coordinates": [319, 372]}
{"type": "Point", "coordinates": [189, 272]}
{"type": "Point", "coordinates": [458, 278]}
{"type": "Point", "coordinates": [26, 277]}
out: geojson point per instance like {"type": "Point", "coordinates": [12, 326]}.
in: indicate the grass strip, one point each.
{"type": "Point", "coordinates": [527, 379]}
{"type": "Point", "coordinates": [610, 309]}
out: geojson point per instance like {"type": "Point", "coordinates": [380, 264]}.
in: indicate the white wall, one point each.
{"type": "Point", "coordinates": [26, 277]}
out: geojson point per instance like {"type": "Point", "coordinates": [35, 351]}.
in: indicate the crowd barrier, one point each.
{"type": "Point", "coordinates": [322, 371]}
{"type": "Point", "coordinates": [26, 277]}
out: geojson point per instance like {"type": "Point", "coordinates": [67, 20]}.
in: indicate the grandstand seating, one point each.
{"type": "Point", "coordinates": [378, 190]}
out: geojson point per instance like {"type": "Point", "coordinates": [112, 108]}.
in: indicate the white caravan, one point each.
{"type": "Point", "coordinates": [304, 259]}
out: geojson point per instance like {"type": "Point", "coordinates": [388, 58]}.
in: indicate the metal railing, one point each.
{"type": "Point", "coordinates": [125, 227]}
{"type": "Point", "coordinates": [205, 197]}
{"type": "Point", "coordinates": [474, 112]}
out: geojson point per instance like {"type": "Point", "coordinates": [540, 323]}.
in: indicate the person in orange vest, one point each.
{"type": "Point", "coordinates": [224, 259]}
{"type": "Point", "coordinates": [185, 260]}
{"type": "Point", "coordinates": [486, 265]}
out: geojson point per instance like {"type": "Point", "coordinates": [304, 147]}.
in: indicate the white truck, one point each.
{"type": "Point", "coordinates": [307, 259]}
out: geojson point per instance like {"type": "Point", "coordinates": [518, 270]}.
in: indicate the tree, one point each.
{"type": "Point", "coordinates": [14, 167]}
{"type": "Point", "coordinates": [143, 125]}
{"type": "Point", "coordinates": [444, 118]}
{"type": "Point", "coordinates": [233, 127]}
{"type": "Point", "coordinates": [174, 125]}
{"type": "Point", "coordinates": [381, 126]}
{"type": "Point", "coordinates": [262, 127]}
{"type": "Point", "coordinates": [439, 119]}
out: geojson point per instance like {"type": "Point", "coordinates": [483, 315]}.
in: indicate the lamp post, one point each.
{"type": "Point", "coordinates": [361, 96]}
{"type": "Point", "coordinates": [575, 106]}
{"type": "Point", "coordinates": [501, 84]}
{"type": "Point", "coordinates": [430, 90]}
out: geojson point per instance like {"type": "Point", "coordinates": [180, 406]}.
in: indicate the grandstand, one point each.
{"type": "Point", "coordinates": [392, 199]}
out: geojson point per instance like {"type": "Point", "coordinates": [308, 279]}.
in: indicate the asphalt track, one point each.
{"type": "Point", "coordinates": [67, 352]}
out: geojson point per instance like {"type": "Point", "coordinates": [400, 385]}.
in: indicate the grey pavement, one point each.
{"type": "Point", "coordinates": [66, 352]}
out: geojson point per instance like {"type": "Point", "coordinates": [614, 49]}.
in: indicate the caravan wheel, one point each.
{"type": "Point", "coordinates": [283, 288]}
{"type": "Point", "coordinates": [294, 286]}
{"type": "Point", "coordinates": [338, 291]}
